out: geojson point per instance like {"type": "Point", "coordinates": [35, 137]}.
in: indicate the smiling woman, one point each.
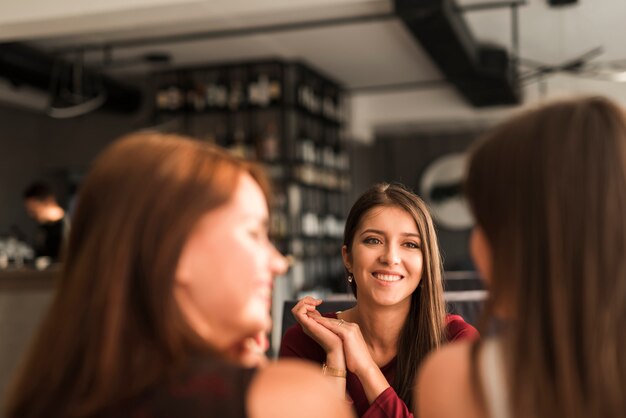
{"type": "Point", "coordinates": [162, 306]}
{"type": "Point", "coordinates": [393, 265]}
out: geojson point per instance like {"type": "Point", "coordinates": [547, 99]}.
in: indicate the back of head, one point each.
{"type": "Point", "coordinates": [114, 327]}
{"type": "Point", "coordinates": [548, 189]}
{"type": "Point", "coordinates": [40, 203]}
{"type": "Point", "coordinates": [38, 190]}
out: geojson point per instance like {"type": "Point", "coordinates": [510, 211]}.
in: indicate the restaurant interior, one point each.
{"type": "Point", "coordinates": [329, 96]}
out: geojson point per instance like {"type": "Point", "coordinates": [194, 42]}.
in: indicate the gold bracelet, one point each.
{"type": "Point", "coordinates": [331, 371]}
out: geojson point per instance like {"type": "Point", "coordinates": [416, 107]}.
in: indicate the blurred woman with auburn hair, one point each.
{"type": "Point", "coordinates": [163, 302]}
{"type": "Point", "coordinates": [548, 191]}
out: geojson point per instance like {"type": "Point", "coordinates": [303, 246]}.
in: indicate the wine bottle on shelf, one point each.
{"type": "Point", "coordinates": [275, 90]}
{"type": "Point", "coordinates": [259, 91]}
{"type": "Point", "coordinates": [278, 225]}
{"type": "Point", "coordinates": [216, 93]}
{"type": "Point", "coordinates": [170, 96]}
{"type": "Point", "coordinates": [196, 99]}
{"type": "Point", "coordinates": [235, 96]}
{"type": "Point", "coordinates": [238, 145]}
{"type": "Point", "coordinates": [236, 91]}
{"type": "Point", "coordinates": [160, 96]}
{"type": "Point", "coordinates": [269, 144]}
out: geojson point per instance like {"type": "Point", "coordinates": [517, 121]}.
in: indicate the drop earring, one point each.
{"type": "Point", "coordinates": [350, 277]}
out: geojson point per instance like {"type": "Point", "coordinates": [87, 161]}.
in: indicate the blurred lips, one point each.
{"type": "Point", "coordinates": [265, 291]}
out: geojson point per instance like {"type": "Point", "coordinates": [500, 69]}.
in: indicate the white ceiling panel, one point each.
{"type": "Point", "coordinates": [356, 55]}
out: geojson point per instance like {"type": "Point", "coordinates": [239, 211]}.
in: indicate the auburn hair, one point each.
{"type": "Point", "coordinates": [114, 327]}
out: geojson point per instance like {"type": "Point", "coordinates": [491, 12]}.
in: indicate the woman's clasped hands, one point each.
{"type": "Point", "coordinates": [342, 340]}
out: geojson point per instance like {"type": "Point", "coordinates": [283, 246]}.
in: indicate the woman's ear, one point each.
{"type": "Point", "coordinates": [481, 253]}
{"type": "Point", "coordinates": [183, 274]}
{"type": "Point", "coordinates": [347, 262]}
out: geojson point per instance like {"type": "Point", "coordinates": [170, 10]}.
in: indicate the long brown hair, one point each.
{"type": "Point", "coordinates": [548, 188]}
{"type": "Point", "coordinates": [424, 328]}
{"type": "Point", "coordinates": [114, 327]}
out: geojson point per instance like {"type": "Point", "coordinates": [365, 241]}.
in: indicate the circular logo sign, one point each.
{"type": "Point", "coordinates": [441, 187]}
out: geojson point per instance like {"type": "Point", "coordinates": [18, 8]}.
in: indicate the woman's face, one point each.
{"type": "Point", "coordinates": [227, 266]}
{"type": "Point", "coordinates": [386, 257]}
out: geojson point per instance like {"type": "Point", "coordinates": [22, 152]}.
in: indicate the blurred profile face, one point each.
{"type": "Point", "coordinates": [386, 257]}
{"type": "Point", "coordinates": [225, 273]}
{"type": "Point", "coordinates": [36, 209]}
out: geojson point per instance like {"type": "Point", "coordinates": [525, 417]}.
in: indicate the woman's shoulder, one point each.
{"type": "Point", "coordinates": [457, 329]}
{"type": "Point", "coordinates": [289, 388]}
{"type": "Point", "coordinates": [444, 387]}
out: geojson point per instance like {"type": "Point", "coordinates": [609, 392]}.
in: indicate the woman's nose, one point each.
{"type": "Point", "coordinates": [280, 263]}
{"type": "Point", "coordinates": [390, 255]}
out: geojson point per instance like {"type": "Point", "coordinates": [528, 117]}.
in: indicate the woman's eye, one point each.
{"type": "Point", "coordinates": [413, 245]}
{"type": "Point", "coordinates": [371, 240]}
{"type": "Point", "coordinates": [257, 235]}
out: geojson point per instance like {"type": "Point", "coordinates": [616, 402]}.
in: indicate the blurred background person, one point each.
{"type": "Point", "coordinates": [393, 266]}
{"type": "Point", "coordinates": [548, 192]}
{"type": "Point", "coordinates": [163, 302]}
{"type": "Point", "coordinates": [53, 226]}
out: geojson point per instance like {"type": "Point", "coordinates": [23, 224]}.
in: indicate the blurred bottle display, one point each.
{"type": "Point", "coordinates": [289, 118]}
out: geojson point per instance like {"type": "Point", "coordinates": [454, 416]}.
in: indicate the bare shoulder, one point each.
{"type": "Point", "coordinates": [444, 387]}
{"type": "Point", "coordinates": [290, 388]}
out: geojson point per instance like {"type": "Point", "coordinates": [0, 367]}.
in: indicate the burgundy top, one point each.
{"type": "Point", "coordinates": [208, 388]}
{"type": "Point", "coordinates": [388, 404]}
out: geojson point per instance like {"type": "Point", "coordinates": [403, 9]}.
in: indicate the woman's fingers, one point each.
{"type": "Point", "coordinates": [308, 300]}
{"type": "Point", "coordinates": [305, 312]}
{"type": "Point", "coordinates": [338, 326]}
{"type": "Point", "coordinates": [305, 305]}
{"type": "Point", "coordinates": [314, 313]}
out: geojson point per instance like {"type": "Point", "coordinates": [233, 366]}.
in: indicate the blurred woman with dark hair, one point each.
{"type": "Point", "coordinates": [373, 350]}
{"type": "Point", "coordinates": [548, 192]}
{"type": "Point", "coordinates": [163, 302]}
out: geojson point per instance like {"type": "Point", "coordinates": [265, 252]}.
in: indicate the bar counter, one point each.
{"type": "Point", "coordinates": [25, 295]}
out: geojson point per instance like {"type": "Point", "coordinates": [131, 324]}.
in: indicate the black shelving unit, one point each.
{"type": "Point", "coordinates": [288, 117]}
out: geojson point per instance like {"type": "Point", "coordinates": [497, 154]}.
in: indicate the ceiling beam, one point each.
{"type": "Point", "coordinates": [483, 74]}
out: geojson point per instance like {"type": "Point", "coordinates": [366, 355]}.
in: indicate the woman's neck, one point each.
{"type": "Point", "coordinates": [380, 325]}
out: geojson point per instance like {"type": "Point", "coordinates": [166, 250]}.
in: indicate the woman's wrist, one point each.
{"type": "Point", "coordinates": [332, 371]}
{"type": "Point", "coordinates": [368, 372]}
{"type": "Point", "coordinates": [336, 359]}
{"type": "Point", "coordinates": [373, 381]}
